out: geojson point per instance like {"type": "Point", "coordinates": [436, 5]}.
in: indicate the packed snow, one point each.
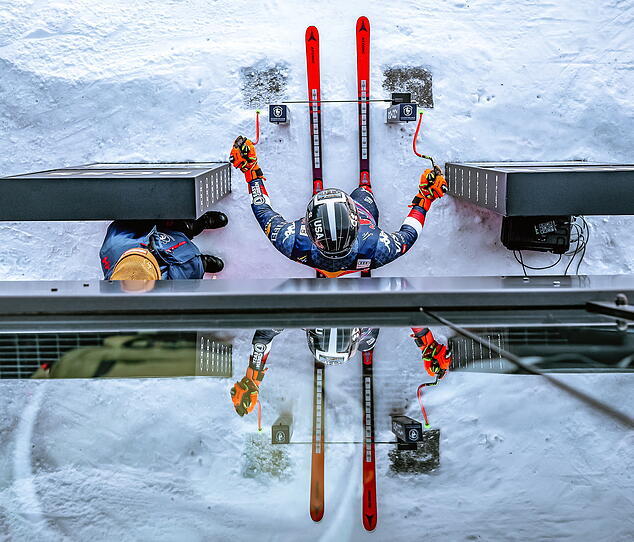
{"type": "Point", "coordinates": [146, 81]}
{"type": "Point", "coordinates": [150, 81]}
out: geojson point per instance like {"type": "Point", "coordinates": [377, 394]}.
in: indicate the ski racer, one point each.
{"type": "Point", "coordinates": [150, 250]}
{"type": "Point", "coordinates": [339, 233]}
{"type": "Point", "coordinates": [332, 346]}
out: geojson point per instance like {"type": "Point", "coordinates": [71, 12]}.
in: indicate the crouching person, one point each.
{"type": "Point", "coordinates": [163, 250]}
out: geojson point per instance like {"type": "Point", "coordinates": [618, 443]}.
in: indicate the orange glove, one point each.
{"type": "Point", "coordinates": [432, 185]}
{"type": "Point", "coordinates": [244, 158]}
{"type": "Point", "coordinates": [244, 394]}
{"type": "Point", "coordinates": [436, 357]}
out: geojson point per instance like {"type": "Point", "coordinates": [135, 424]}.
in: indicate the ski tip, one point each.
{"type": "Point", "coordinates": [316, 514]}
{"type": "Point", "coordinates": [369, 522]}
{"type": "Point", "coordinates": [363, 24]}
{"type": "Point", "coordinates": [312, 34]}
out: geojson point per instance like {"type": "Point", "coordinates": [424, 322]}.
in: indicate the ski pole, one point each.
{"type": "Point", "coordinates": [259, 416]}
{"type": "Point", "coordinates": [419, 394]}
{"type": "Point", "coordinates": [257, 126]}
{"type": "Point", "coordinates": [420, 120]}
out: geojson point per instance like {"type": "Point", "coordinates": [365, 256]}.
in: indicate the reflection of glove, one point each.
{"type": "Point", "coordinates": [244, 394]}
{"type": "Point", "coordinates": [432, 186]}
{"type": "Point", "coordinates": [436, 357]}
{"type": "Point", "coordinates": [244, 158]}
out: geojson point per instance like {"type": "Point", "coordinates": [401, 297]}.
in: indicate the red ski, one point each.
{"type": "Point", "coordinates": [363, 91]}
{"type": "Point", "coordinates": [314, 104]}
{"type": "Point", "coordinates": [314, 109]}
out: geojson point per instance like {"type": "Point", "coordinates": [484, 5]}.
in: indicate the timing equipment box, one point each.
{"type": "Point", "coordinates": [406, 429]}
{"type": "Point", "coordinates": [282, 430]}
{"type": "Point", "coordinates": [402, 112]}
{"type": "Point", "coordinates": [544, 188]}
{"type": "Point", "coordinates": [278, 114]}
{"type": "Point", "coordinates": [115, 192]}
{"type": "Point", "coordinates": [542, 233]}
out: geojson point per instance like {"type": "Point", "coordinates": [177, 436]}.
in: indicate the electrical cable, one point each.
{"type": "Point", "coordinates": [580, 242]}
{"type": "Point", "coordinates": [580, 247]}
{"type": "Point", "coordinates": [525, 266]}
{"type": "Point", "coordinates": [587, 238]}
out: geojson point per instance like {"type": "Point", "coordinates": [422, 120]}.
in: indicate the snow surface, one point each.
{"type": "Point", "coordinates": [87, 81]}
{"type": "Point", "coordinates": [126, 81]}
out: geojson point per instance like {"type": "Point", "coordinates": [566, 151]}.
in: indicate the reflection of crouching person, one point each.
{"type": "Point", "coordinates": [155, 250]}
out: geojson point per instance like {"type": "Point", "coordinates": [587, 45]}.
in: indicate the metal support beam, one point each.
{"type": "Point", "coordinates": [199, 304]}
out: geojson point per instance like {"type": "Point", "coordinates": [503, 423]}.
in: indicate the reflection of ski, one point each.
{"type": "Point", "coordinates": [317, 467]}
{"type": "Point", "coordinates": [369, 469]}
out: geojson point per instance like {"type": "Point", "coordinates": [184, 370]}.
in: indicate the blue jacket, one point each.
{"type": "Point", "coordinates": [177, 256]}
{"type": "Point", "coordinates": [373, 247]}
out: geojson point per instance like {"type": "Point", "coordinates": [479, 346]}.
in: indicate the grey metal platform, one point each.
{"type": "Point", "coordinates": [225, 303]}
{"type": "Point", "coordinates": [544, 188]}
{"type": "Point", "coordinates": [115, 191]}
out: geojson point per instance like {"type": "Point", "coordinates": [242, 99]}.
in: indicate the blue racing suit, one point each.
{"type": "Point", "coordinates": [177, 256]}
{"type": "Point", "coordinates": [373, 247]}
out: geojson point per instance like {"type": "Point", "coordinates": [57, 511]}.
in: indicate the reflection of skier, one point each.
{"type": "Point", "coordinates": [154, 250]}
{"type": "Point", "coordinates": [339, 233]}
{"type": "Point", "coordinates": [436, 357]}
{"type": "Point", "coordinates": [331, 346]}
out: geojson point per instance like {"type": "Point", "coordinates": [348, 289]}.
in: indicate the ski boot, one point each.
{"type": "Point", "coordinates": [212, 264]}
{"type": "Point", "coordinates": [211, 220]}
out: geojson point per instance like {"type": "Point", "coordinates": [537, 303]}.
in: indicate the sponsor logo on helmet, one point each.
{"type": "Point", "coordinates": [331, 194]}
{"type": "Point", "coordinates": [363, 264]}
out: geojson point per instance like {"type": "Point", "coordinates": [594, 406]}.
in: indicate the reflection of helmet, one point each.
{"type": "Point", "coordinates": [332, 222]}
{"type": "Point", "coordinates": [334, 345]}
{"type": "Point", "coordinates": [136, 264]}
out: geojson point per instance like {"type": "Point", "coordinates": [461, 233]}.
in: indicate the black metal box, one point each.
{"type": "Point", "coordinates": [406, 429]}
{"type": "Point", "coordinates": [544, 188]}
{"type": "Point", "coordinates": [402, 112]}
{"type": "Point", "coordinates": [115, 191]}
